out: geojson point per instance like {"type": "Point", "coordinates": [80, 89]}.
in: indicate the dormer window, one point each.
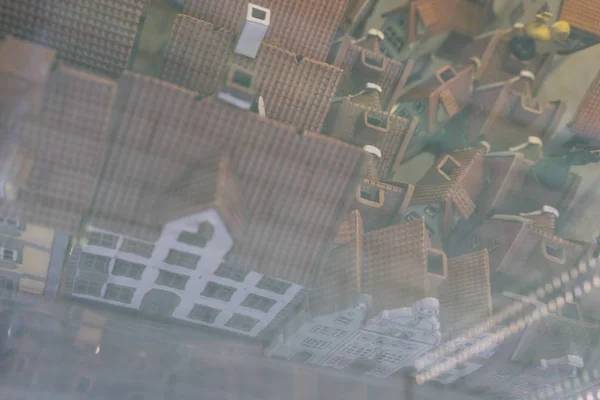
{"type": "Point", "coordinates": [419, 106]}
{"type": "Point", "coordinates": [446, 74]}
{"type": "Point", "coordinates": [376, 120]}
{"type": "Point", "coordinates": [554, 253]}
{"type": "Point", "coordinates": [447, 166]}
{"type": "Point", "coordinates": [242, 79]}
{"type": "Point", "coordinates": [370, 195]}
{"type": "Point", "coordinates": [421, 28]}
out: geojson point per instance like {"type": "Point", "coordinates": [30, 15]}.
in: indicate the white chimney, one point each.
{"type": "Point", "coordinates": [254, 31]}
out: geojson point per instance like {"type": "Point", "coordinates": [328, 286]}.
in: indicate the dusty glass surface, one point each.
{"type": "Point", "coordinates": [299, 199]}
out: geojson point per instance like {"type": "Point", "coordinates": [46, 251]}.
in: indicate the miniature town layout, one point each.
{"type": "Point", "coordinates": [386, 190]}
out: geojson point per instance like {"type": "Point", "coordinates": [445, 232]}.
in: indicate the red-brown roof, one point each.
{"type": "Point", "coordinates": [295, 90]}
{"type": "Point", "coordinates": [97, 35]}
{"type": "Point", "coordinates": [462, 186]}
{"type": "Point", "coordinates": [64, 150]}
{"type": "Point", "coordinates": [353, 79]}
{"type": "Point", "coordinates": [395, 264]}
{"type": "Point", "coordinates": [295, 186]}
{"type": "Point", "coordinates": [300, 26]}
{"type": "Point", "coordinates": [344, 120]}
{"type": "Point", "coordinates": [493, 52]}
{"type": "Point", "coordinates": [507, 117]}
{"type": "Point", "coordinates": [581, 14]}
{"type": "Point", "coordinates": [465, 295]}
{"type": "Point", "coordinates": [339, 282]}
{"type": "Point", "coordinates": [455, 93]}
{"type": "Point", "coordinates": [587, 118]}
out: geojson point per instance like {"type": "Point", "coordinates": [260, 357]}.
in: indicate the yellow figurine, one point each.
{"type": "Point", "coordinates": [542, 30]}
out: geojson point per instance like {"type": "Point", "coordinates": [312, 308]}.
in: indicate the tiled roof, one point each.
{"type": "Point", "coordinates": [545, 222]}
{"type": "Point", "coordinates": [342, 124]}
{"type": "Point", "coordinates": [67, 147]}
{"type": "Point", "coordinates": [295, 90]}
{"type": "Point", "coordinates": [427, 11]}
{"type": "Point", "coordinates": [469, 18]}
{"type": "Point", "coordinates": [455, 94]}
{"type": "Point", "coordinates": [338, 283]}
{"type": "Point", "coordinates": [465, 295]}
{"type": "Point", "coordinates": [493, 52]}
{"type": "Point", "coordinates": [581, 14]}
{"type": "Point", "coordinates": [295, 187]}
{"type": "Point", "coordinates": [587, 119]}
{"type": "Point", "coordinates": [209, 184]}
{"type": "Point", "coordinates": [463, 187]}
{"type": "Point", "coordinates": [395, 264]}
{"type": "Point", "coordinates": [554, 337]}
{"type": "Point", "coordinates": [94, 34]}
{"type": "Point", "coordinates": [304, 27]}
{"type": "Point", "coordinates": [511, 116]}
{"type": "Point", "coordinates": [353, 80]}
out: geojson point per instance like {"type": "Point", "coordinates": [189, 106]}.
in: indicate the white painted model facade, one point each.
{"type": "Point", "coordinates": [383, 345]}
{"type": "Point", "coordinates": [211, 257]}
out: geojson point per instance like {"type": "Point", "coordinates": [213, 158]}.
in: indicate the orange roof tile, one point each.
{"type": "Point", "coordinates": [427, 12]}
{"type": "Point", "coordinates": [339, 282]}
{"type": "Point", "coordinates": [97, 35]}
{"type": "Point", "coordinates": [465, 295]}
{"type": "Point", "coordinates": [581, 14]}
{"type": "Point", "coordinates": [395, 264]}
{"type": "Point", "coordinates": [295, 187]}
{"type": "Point", "coordinates": [295, 91]}
{"type": "Point", "coordinates": [461, 189]}
{"type": "Point", "coordinates": [587, 118]}
{"type": "Point", "coordinates": [67, 145]}
{"type": "Point", "coordinates": [300, 26]}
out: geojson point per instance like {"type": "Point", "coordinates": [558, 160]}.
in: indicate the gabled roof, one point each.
{"type": "Point", "coordinates": [296, 90]}
{"type": "Point", "coordinates": [302, 27]}
{"type": "Point", "coordinates": [461, 187]}
{"type": "Point", "coordinates": [581, 14]}
{"type": "Point", "coordinates": [210, 184]}
{"type": "Point", "coordinates": [465, 295]}
{"type": "Point", "coordinates": [346, 118]}
{"type": "Point", "coordinates": [61, 153]}
{"type": "Point", "coordinates": [339, 282]}
{"type": "Point", "coordinates": [296, 187]}
{"type": "Point", "coordinates": [496, 65]}
{"type": "Point", "coordinates": [453, 94]}
{"type": "Point", "coordinates": [587, 118]}
{"type": "Point", "coordinates": [528, 259]}
{"type": "Point", "coordinates": [395, 264]}
{"type": "Point", "coordinates": [349, 57]}
{"type": "Point", "coordinates": [508, 114]}
{"type": "Point", "coordinates": [98, 36]}
{"type": "Point", "coordinates": [555, 336]}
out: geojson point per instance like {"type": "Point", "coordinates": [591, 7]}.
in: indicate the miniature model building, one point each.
{"type": "Point", "coordinates": [98, 35]}
{"type": "Point", "coordinates": [359, 120]}
{"type": "Point", "coordinates": [296, 89]}
{"type": "Point", "coordinates": [435, 102]}
{"type": "Point", "coordinates": [209, 201]}
{"type": "Point", "coordinates": [363, 62]}
{"type": "Point", "coordinates": [585, 122]}
{"type": "Point", "coordinates": [253, 188]}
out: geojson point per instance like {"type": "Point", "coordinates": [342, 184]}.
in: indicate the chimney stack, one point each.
{"type": "Point", "coordinates": [239, 88]}
{"type": "Point", "coordinates": [254, 31]}
{"type": "Point", "coordinates": [373, 158]}
{"type": "Point", "coordinates": [372, 41]}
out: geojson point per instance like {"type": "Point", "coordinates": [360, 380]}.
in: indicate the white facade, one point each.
{"type": "Point", "coordinates": [382, 345]}
{"type": "Point", "coordinates": [196, 278]}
